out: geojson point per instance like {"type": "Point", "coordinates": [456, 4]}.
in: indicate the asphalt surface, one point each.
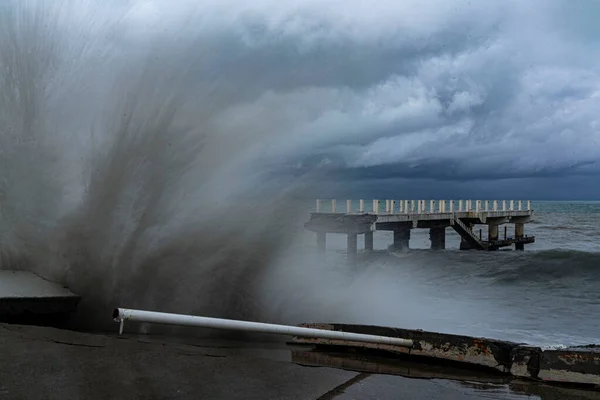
{"type": "Point", "coordinates": [48, 363]}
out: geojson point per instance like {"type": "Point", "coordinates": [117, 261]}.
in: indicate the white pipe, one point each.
{"type": "Point", "coordinates": [123, 314]}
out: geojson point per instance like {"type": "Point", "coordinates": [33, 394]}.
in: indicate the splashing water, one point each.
{"type": "Point", "coordinates": [118, 176]}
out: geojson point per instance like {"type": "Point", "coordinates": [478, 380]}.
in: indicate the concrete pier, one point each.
{"type": "Point", "coordinates": [321, 242]}
{"type": "Point", "coordinates": [401, 239]}
{"type": "Point", "coordinates": [493, 233]}
{"type": "Point", "coordinates": [437, 236]}
{"type": "Point", "coordinates": [519, 233]}
{"type": "Point", "coordinates": [401, 216]}
{"type": "Point", "coordinates": [368, 241]}
{"type": "Point", "coordinates": [352, 247]}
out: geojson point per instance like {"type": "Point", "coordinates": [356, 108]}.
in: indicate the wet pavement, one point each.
{"type": "Point", "coordinates": [49, 363]}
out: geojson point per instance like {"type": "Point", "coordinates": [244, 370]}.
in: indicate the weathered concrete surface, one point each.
{"type": "Point", "coordinates": [24, 292]}
{"type": "Point", "coordinates": [341, 223]}
{"type": "Point", "coordinates": [490, 353]}
{"type": "Point", "coordinates": [47, 363]}
{"type": "Point", "coordinates": [575, 365]}
{"type": "Point", "coordinates": [572, 365]}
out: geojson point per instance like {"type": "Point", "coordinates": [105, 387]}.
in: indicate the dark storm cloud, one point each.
{"type": "Point", "coordinates": [417, 89]}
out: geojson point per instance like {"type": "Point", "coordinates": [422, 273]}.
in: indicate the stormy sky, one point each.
{"type": "Point", "coordinates": [412, 98]}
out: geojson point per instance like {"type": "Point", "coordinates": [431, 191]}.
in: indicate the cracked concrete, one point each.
{"type": "Point", "coordinates": [47, 363]}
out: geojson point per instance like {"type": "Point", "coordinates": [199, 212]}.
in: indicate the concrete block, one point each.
{"type": "Point", "coordinates": [24, 292]}
{"type": "Point", "coordinates": [494, 354]}
{"type": "Point", "coordinates": [571, 365]}
{"type": "Point", "coordinates": [525, 361]}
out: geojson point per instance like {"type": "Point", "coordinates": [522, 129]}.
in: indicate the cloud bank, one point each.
{"type": "Point", "coordinates": [411, 90]}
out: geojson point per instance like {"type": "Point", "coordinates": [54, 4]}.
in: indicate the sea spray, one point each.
{"type": "Point", "coordinates": [118, 178]}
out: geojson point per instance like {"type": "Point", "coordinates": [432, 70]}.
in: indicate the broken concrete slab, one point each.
{"type": "Point", "coordinates": [490, 353]}
{"type": "Point", "coordinates": [574, 365]}
{"type": "Point", "coordinates": [571, 365]}
{"type": "Point", "coordinates": [23, 292]}
{"type": "Point", "coordinates": [27, 298]}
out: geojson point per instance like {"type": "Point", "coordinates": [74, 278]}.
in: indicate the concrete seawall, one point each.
{"type": "Point", "coordinates": [572, 365]}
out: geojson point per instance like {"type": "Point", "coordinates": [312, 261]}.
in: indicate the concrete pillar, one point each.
{"type": "Point", "coordinates": [401, 239]}
{"type": "Point", "coordinates": [437, 236]}
{"type": "Point", "coordinates": [321, 242]}
{"type": "Point", "coordinates": [369, 241]}
{"type": "Point", "coordinates": [519, 233]}
{"type": "Point", "coordinates": [464, 245]}
{"type": "Point", "coordinates": [352, 248]}
{"type": "Point", "coordinates": [492, 232]}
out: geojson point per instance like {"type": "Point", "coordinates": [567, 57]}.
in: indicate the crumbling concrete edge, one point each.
{"type": "Point", "coordinates": [571, 365]}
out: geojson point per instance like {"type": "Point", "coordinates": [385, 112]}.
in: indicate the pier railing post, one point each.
{"type": "Point", "coordinates": [392, 206]}
{"type": "Point", "coordinates": [512, 205]}
{"type": "Point", "coordinates": [528, 205]}
{"type": "Point", "coordinates": [348, 206]}
{"type": "Point", "coordinates": [361, 205]}
{"type": "Point", "coordinates": [451, 206]}
{"type": "Point", "coordinates": [460, 206]}
{"type": "Point", "coordinates": [495, 205]}
{"type": "Point", "coordinates": [333, 206]}
{"type": "Point", "coordinates": [432, 206]}
{"type": "Point", "coordinates": [520, 205]}
{"type": "Point", "coordinates": [375, 206]}
{"type": "Point", "coordinates": [503, 205]}
{"type": "Point", "coordinates": [401, 206]}
{"type": "Point", "coordinates": [318, 205]}
{"type": "Point", "coordinates": [487, 205]}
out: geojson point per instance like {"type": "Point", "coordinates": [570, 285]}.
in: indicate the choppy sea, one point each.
{"type": "Point", "coordinates": [548, 295]}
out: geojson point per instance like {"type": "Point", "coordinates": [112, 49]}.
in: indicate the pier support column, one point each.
{"type": "Point", "coordinates": [519, 233]}
{"type": "Point", "coordinates": [401, 239]}
{"type": "Point", "coordinates": [437, 236]}
{"type": "Point", "coordinates": [321, 242]}
{"type": "Point", "coordinates": [492, 233]}
{"type": "Point", "coordinates": [352, 248]}
{"type": "Point", "coordinates": [369, 241]}
{"type": "Point", "coordinates": [464, 244]}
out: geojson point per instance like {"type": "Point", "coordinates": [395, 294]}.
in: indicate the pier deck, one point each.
{"type": "Point", "coordinates": [401, 216]}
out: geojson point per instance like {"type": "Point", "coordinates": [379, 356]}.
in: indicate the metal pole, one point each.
{"type": "Point", "coordinates": [121, 315]}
